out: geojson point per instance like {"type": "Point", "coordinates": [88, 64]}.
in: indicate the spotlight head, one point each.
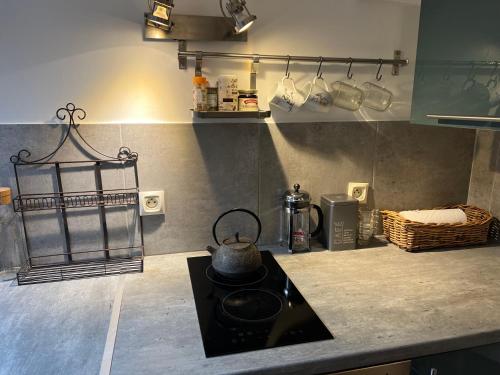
{"type": "Point", "coordinates": [161, 14]}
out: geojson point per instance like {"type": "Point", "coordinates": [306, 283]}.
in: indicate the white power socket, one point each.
{"type": "Point", "coordinates": [359, 191]}
{"type": "Point", "coordinates": [152, 203]}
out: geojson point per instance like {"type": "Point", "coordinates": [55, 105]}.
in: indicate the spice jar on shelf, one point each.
{"type": "Point", "coordinates": [248, 101]}
{"type": "Point", "coordinates": [200, 101]}
{"type": "Point", "coordinates": [212, 99]}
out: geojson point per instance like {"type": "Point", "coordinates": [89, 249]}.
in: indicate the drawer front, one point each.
{"type": "Point", "coordinates": [397, 368]}
{"type": "Point", "coordinates": [484, 360]}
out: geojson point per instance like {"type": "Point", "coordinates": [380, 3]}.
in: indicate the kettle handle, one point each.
{"type": "Point", "coordinates": [214, 234]}
{"type": "Point", "coordinates": [319, 227]}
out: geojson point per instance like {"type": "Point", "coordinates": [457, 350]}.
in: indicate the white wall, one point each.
{"type": "Point", "coordinates": [91, 52]}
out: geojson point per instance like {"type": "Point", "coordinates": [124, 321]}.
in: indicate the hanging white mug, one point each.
{"type": "Point", "coordinates": [286, 97]}
{"type": "Point", "coordinates": [318, 98]}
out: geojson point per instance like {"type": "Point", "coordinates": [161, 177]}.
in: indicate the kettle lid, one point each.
{"type": "Point", "coordinates": [297, 196]}
{"type": "Point", "coordinates": [236, 242]}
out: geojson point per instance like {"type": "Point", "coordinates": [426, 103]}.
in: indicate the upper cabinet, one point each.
{"type": "Point", "coordinates": [457, 68]}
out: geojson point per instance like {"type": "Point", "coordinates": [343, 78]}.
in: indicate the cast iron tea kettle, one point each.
{"type": "Point", "coordinates": [237, 256]}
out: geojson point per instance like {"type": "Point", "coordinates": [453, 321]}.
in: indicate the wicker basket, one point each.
{"type": "Point", "coordinates": [411, 236]}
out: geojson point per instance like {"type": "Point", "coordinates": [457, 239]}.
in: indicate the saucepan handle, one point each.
{"type": "Point", "coordinates": [259, 224]}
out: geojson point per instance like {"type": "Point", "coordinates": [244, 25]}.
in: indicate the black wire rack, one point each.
{"type": "Point", "coordinates": [59, 200]}
{"type": "Point", "coordinates": [96, 262]}
{"type": "Point", "coordinates": [80, 270]}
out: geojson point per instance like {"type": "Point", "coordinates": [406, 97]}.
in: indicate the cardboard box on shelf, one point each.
{"type": "Point", "coordinates": [227, 89]}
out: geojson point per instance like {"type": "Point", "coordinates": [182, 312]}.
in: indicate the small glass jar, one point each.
{"type": "Point", "coordinates": [376, 97]}
{"type": "Point", "coordinates": [212, 98]}
{"type": "Point", "coordinates": [366, 227]}
{"type": "Point", "coordinates": [248, 101]}
{"type": "Point", "coordinates": [347, 96]}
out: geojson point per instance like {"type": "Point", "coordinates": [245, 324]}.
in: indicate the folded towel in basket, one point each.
{"type": "Point", "coordinates": [445, 216]}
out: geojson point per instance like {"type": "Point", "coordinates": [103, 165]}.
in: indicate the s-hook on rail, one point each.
{"type": "Point", "coordinates": [183, 55]}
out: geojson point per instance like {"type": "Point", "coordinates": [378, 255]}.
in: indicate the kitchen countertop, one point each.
{"type": "Point", "coordinates": [382, 304]}
{"type": "Point", "coordinates": [56, 328]}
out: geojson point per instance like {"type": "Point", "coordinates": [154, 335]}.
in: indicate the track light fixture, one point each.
{"type": "Point", "coordinates": [231, 25]}
{"type": "Point", "coordinates": [240, 14]}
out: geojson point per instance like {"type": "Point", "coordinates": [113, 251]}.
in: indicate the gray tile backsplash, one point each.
{"type": "Point", "coordinates": [206, 169]}
{"type": "Point", "coordinates": [420, 166]}
{"type": "Point", "coordinates": [485, 176]}
{"type": "Point", "coordinates": [321, 157]}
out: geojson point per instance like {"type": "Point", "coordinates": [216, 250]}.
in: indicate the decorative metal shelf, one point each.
{"type": "Point", "coordinates": [48, 265]}
{"type": "Point", "coordinates": [41, 202]}
{"type": "Point", "coordinates": [234, 114]}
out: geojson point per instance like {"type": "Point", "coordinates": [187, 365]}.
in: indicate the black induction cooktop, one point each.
{"type": "Point", "coordinates": [262, 311]}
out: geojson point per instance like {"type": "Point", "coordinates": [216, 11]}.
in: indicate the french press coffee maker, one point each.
{"type": "Point", "coordinates": [296, 220]}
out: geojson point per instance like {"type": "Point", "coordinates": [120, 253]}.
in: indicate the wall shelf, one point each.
{"type": "Point", "coordinates": [50, 201]}
{"type": "Point", "coordinates": [235, 114]}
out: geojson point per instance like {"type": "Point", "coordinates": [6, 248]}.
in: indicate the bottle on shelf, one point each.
{"type": "Point", "coordinates": [212, 99]}
{"type": "Point", "coordinates": [200, 101]}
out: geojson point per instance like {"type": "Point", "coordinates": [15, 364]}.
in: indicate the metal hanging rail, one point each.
{"type": "Point", "coordinates": [466, 63]}
{"type": "Point", "coordinates": [183, 55]}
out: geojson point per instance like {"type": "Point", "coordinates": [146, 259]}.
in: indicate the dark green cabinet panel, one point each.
{"type": "Point", "coordinates": [457, 70]}
{"type": "Point", "coordinates": [483, 360]}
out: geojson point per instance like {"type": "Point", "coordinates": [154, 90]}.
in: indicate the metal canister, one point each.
{"type": "Point", "coordinates": [340, 224]}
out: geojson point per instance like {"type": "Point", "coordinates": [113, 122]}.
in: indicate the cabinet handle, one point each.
{"type": "Point", "coordinates": [465, 118]}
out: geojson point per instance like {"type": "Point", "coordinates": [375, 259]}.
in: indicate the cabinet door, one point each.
{"type": "Point", "coordinates": [484, 360]}
{"type": "Point", "coordinates": [397, 368]}
{"type": "Point", "coordinates": [457, 72]}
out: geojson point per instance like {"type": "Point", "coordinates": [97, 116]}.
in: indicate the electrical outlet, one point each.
{"type": "Point", "coordinates": [359, 191]}
{"type": "Point", "coordinates": [152, 203]}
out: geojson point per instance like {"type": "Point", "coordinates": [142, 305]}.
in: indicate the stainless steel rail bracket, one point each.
{"type": "Point", "coordinates": [182, 59]}
{"type": "Point", "coordinates": [254, 69]}
{"type": "Point", "coordinates": [395, 67]}
{"type": "Point", "coordinates": [199, 64]}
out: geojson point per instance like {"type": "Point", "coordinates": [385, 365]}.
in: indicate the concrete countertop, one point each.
{"type": "Point", "coordinates": [56, 328]}
{"type": "Point", "coordinates": [382, 304]}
